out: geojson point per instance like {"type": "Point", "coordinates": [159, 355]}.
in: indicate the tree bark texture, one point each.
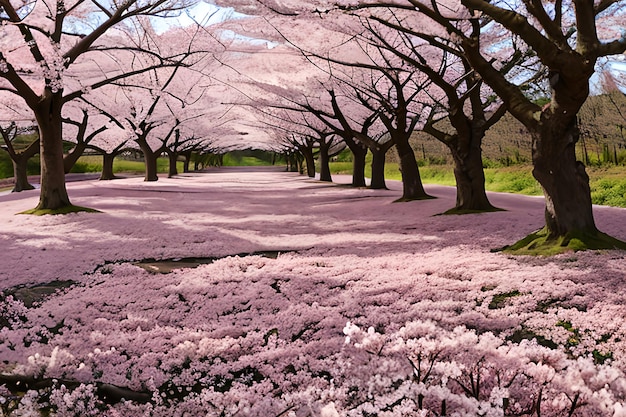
{"type": "Point", "coordinates": [107, 167]}
{"type": "Point", "coordinates": [309, 159]}
{"type": "Point", "coordinates": [324, 163]}
{"type": "Point", "coordinates": [470, 177]}
{"type": "Point", "coordinates": [20, 173]}
{"type": "Point", "coordinates": [187, 161]}
{"type": "Point", "coordinates": [173, 159]}
{"type": "Point", "coordinates": [53, 193]}
{"type": "Point", "coordinates": [358, 165]}
{"type": "Point", "coordinates": [20, 166]}
{"type": "Point", "coordinates": [564, 180]}
{"type": "Point", "coordinates": [150, 159]}
{"type": "Point", "coordinates": [411, 181]}
{"type": "Point", "coordinates": [378, 169]}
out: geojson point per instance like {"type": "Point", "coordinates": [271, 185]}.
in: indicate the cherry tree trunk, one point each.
{"type": "Point", "coordinates": [358, 165]}
{"type": "Point", "coordinates": [20, 173]}
{"type": "Point", "coordinates": [173, 159]}
{"type": "Point", "coordinates": [324, 164]}
{"type": "Point", "coordinates": [20, 166]}
{"type": "Point", "coordinates": [150, 159]}
{"type": "Point", "coordinates": [53, 193]}
{"type": "Point", "coordinates": [564, 180]}
{"type": "Point", "coordinates": [411, 181]}
{"type": "Point", "coordinates": [187, 161]}
{"type": "Point", "coordinates": [292, 163]}
{"type": "Point", "coordinates": [378, 169]}
{"type": "Point", "coordinates": [69, 160]}
{"type": "Point", "coordinates": [309, 159]}
{"type": "Point", "coordinates": [470, 180]}
{"type": "Point", "coordinates": [107, 167]}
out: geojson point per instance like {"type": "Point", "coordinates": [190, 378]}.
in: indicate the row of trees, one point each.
{"type": "Point", "coordinates": [451, 69]}
{"type": "Point", "coordinates": [321, 76]}
{"type": "Point", "coordinates": [109, 78]}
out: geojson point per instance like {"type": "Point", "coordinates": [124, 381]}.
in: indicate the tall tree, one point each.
{"type": "Point", "coordinates": [569, 40]}
{"type": "Point", "coordinates": [463, 108]}
{"type": "Point", "coordinates": [41, 60]}
{"type": "Point", "coordinates": [568, 37]}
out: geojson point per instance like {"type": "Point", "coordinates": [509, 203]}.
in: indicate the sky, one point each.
{"type": "Point", "coordinates": [321, 300]}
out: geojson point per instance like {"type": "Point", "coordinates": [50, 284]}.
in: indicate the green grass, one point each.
{"type": "Point", "coordinates": [242, 160]}
{"type": "Point", "coordinates": [608, 183]}
{"type": "Point", "coordinates": [92, 163]}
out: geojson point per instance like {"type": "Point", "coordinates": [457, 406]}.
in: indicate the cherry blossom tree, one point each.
{"type": "Point", "coordinates": [568, 39]}
{"type": "Point", "coordinates": [308, 131]}
{"type": "Point", "coordinates": [458, 97]}
{"type": "Point", "coordinates": [155, 103]}
{"type": "Point", "coordinates": [392, 91]}
{"type": "Point", "coordinates": [43, 57]}
{"type": "Point", "coordinates": [112, 142]}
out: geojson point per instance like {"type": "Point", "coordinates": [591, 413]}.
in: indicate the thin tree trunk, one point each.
{"type": "Point", "coordinates": [300, 159]}
{"type": "Point", "coordinates": [358, 166]}
{"type": "Point", "coordinates": [378, 169]}
{"type": "Point", "coordinates": [324, 164]}
{"type": "Point", "coordinates": [20, 166]}
{"type": "Point", "coordinates": [107, 167]}
{"type": "Point", "coordinates": [187, 161]}
{"type": "Point", "coordinates": [411, 181]}
{"type": "Point", "coordinates": [309, 160]}
{"type": "Point", "coordinates": [173, 159]}
{"type": "Point", "coordinates": [293, 163]}
{"type": "Point", "coordinates": [53, 193]}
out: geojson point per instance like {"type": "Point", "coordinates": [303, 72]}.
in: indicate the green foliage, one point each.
{"type": "Point", "coordinates": [343, 156]}
{"type": "Point", "coordinates": [248, 158]}
{"type": "Point", "coordinates": [516, 179]}
{"type": "Point", "coordinates": [6, 165]}
{"type": "Point", "coordinates": [499, 300]}
{"type": "Point", "coordinates": [599, 357]}
{"type": "Point", "coordinates": [609, 191]}
{"type": "Point", "coordinates": [341, 168]}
